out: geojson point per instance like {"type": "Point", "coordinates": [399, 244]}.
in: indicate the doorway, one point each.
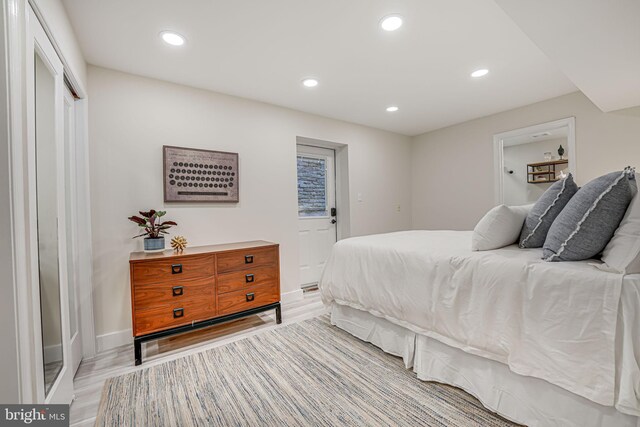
{"type": "Point", "coordinates": [317, 210]}
{"type": "Point", "coordinates": [529, 160]}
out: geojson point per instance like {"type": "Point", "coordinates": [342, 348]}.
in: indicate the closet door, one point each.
{"type": "Point", "coordinates": [71, 212]}
{"type": "Point", "coordinates": [47, 223]}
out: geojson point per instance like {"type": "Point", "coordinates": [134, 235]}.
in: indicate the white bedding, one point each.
{"type": "Point", "coordinates": [526, 400]}
{"type": "Point", "coordinates": [553, 321]}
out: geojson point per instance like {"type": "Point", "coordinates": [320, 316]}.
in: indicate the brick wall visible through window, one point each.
{"type": "Point", "coordinates": [312, 186]}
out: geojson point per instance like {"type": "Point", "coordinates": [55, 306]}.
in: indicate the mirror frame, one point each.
{"type": "Point", "coordinates": [498, 147]}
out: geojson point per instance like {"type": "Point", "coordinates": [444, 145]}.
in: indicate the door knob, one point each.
{"type": "Point", "coordinates": [333, 221]}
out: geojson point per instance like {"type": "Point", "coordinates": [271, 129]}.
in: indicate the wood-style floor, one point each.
{"type": "Point", "coordinates": [93, 372]}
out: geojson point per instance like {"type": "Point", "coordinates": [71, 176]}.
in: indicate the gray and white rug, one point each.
{"type": "Point", "coordinates": [305, 374]}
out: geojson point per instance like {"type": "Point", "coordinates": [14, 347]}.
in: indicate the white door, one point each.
{"type": "Point", "coordinates": [316, 210]}
{"type": "Point", "coordinates": [47, 223]}
{"type": "Point", "coordinates": [71, 207]}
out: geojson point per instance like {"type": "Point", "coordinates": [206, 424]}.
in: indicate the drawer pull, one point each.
{"type": "Point", "coordinates": [250, 297]}
{"type": "Point", "coordinates": [176, 268]}
{"type": "Point", "coordinates": [249, 278]}
{"type": "Point", "coordinates": [177, 291]}
{"type": "Point", "coordinates": [178, 312]}
{"type": "Point", "coordinates": [248, 259]}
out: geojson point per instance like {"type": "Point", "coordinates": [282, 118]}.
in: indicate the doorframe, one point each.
{"type": "Point", "coordinates": [15, 13]}
{"type": "Point", "coordinates": [11, 364]}
{"type": "Point", "coordinates": [341, 166]}
{"type": "Point", "coordinates": [16, 18]}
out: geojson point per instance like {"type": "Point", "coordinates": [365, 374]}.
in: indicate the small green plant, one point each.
{"type": "Point", "coordinates": [153, 227]}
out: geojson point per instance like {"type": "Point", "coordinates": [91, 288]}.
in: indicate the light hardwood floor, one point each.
{"type": "Point", "coordinates": [93, 372]}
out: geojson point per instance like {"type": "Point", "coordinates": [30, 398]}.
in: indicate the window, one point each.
{"type": "Point", "coordinates": [312, 186]}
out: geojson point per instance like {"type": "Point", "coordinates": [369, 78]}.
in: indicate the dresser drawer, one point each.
{"type": "Point", "coordinates": [254, 296]}
{"type": "Point", "coordinates": [239, 280]}
{"type": "Point", "coordinates": [247, 259]}
{"type": "Point", "coordinates": [162, 271]}
{"type": "Point", "coordinates": [153, 294]}
{"type": "Point", "coordinates": [170, 315]}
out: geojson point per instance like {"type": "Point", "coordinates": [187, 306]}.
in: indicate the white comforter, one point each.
{"type": "Point", "coordinates": [554, 321]}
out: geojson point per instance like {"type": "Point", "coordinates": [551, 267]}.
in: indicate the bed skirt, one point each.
{"type": "Point", "coordinates": [526, 400]}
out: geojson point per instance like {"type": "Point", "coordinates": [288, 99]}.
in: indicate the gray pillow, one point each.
{"type": "Point", "coordinates": [544, 212]}
{"type": "Point", "coordinates": [587, 223]}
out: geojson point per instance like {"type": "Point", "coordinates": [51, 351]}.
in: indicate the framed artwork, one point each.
{"type": "Point", "coordinates": [194, 175]}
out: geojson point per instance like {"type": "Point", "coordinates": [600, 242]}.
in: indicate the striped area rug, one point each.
{"type": "Point", "coordinates": [304, 374]}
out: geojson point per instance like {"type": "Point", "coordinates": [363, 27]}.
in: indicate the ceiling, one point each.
{"type": "Point", "coordinates": [595, 43]}
{"type": "Point", "coordinates": [263, 49]}
{"type": "Point", "coordinates": [537, 136]}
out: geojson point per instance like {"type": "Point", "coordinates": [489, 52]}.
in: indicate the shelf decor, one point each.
{"type": "Point", "coordinates": [152, 229]}
{"type": "Point", "coordinates": [179, 243]}
{"type": "Point", "coordinates": [544, 172]}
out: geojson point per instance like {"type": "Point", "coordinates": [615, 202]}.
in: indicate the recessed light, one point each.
{"type": "Point", "coordinates": [174, 39]}
{"type": "Point", "coordinates": [310, 82]}
{"type": "Point", "coordinates": [392, 109]}
{"type": "Point", "coordinates": [391, 22]}
{"type": "Point", "coordinates": [479, 73]}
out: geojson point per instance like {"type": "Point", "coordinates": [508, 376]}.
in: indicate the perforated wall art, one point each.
{"type": "Point", "coordinates": [193, 175]}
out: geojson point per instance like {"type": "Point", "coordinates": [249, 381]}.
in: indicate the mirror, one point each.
{"type": "Point", "coordinates": [530, 160]}
{"type": "Point", "coordinates": [47, 214]}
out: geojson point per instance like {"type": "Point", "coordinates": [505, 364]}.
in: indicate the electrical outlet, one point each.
{"type": "Point", "coordinates": [398, 207]}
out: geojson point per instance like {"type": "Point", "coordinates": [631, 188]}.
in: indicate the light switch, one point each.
{"type": "Point", "coordinates": [359, 197]}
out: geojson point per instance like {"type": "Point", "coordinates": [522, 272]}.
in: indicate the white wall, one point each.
{"type": "Point", "coordinates": [452, 168]}
{"type": "Point", "coordinates": [131, 117]}
{"type": "Point", "coordinates": [516, 187]}
{"type": "Point", "coordinates": [57, 21]}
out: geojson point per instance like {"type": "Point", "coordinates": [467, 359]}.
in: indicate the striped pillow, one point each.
{"type": "Point", "coordinates": [587, 223]}
{"type": "Point", "coordinates": [544, 212]}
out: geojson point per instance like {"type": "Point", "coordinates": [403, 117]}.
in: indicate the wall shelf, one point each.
{"type": "Point", "coordinates": [545, 172]}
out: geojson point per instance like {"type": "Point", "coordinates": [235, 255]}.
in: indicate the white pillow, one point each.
{"type": "Point", "coordinates": [500, 227]}
{"type": "Point", "coordinates": [622, 253]}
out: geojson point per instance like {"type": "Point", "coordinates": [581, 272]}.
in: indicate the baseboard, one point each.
{"type": "Point", "coordinates": [292, 296]}
{"type": "Point", "coordinates": [113, 339]}
{"type": "Point", "coordinates": [118, 338]}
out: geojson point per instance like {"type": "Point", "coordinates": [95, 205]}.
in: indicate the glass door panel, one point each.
{"type": "Point", "coordinates": [312, 186]}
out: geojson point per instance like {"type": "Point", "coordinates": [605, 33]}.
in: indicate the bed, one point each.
{"type": "Point", "coordinates": [539, 343]}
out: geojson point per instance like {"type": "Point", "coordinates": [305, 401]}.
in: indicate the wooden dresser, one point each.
{"type": "Point", "coordinates": [177, 292]}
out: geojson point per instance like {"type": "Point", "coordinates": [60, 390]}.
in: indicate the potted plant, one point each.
{"type": "Point", "coordinates": [154, 229]}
